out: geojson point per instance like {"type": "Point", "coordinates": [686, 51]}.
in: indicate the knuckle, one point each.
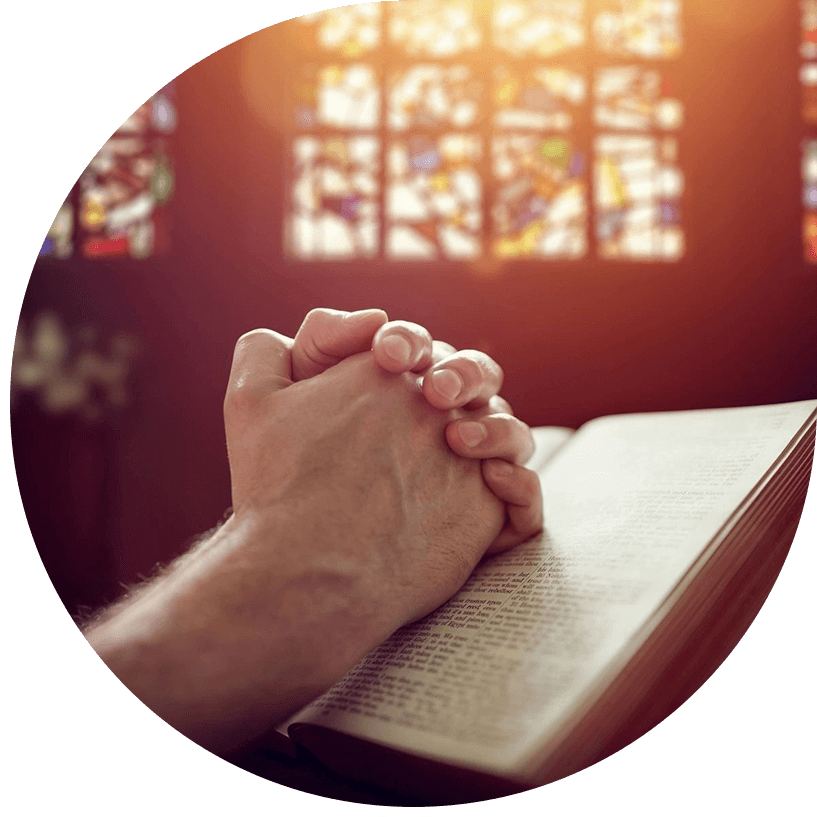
{"type": "Point", "coordinates": [320, 313]}
{"type": "Point", "coordinates": [514, 432]}
{"type": "Point", "coordinates": [442, 350]}
{"type": "Point", "coordinates": [503, 426]}
{"type": "Point", "coordinates": [311, 349]}
{"type": "Point", "coordinates": [255, 346]}
{"type": "Point", "coordinates": [244, 398]}
{"type": "Point", "coordinates": [483, 370]}
{"type": "Point", "coordinates": [316, 332]}
{"type": "Point", "coordinates": [499, 405]}
{"type": "Point", "coordinates": [485, 362]}
{"type": "Point", "coordinates": [250, 338]}
{"type": "Point", "coordinates": [495, 371]}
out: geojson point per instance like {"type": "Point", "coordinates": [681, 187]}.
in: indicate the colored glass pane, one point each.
{"type": "Point", "coordinates": [431, 96]}
{"type": "Point", "coordinates": [808, 29]}
{"type": "Point", "coordinates": [541, 197]}
{"type": "Point", "coordinates": [631, 98]}
{"type": "Point", "coordinates": [121, 190]}
{"type": "Point", "coordinates": [809, 174]}
{"type": "Point", "coordinates": [59, 241]}
{"type": "Point", "coordinates": [350, 31]}
{"type": "Point", "coordinates": [334, 197]}
{"type": "Point", "coordinates": [810, 237]}
{"type": "Point", "coordinates": [644, 28]}
{"type": "Point", "coordinates": [537, 98]}
{"type": "Point", "coordinates": [336, 96]}
{"type": "Point", "coordinates": [538, 28]}
{"type": "Point", "coordinates": [638, 188]}
{"type": "Point", "coordinates": [808, 84]}
{"type": "Point", "coordinates": [434, 29]}
{"type": "Point", "coordinates": [434, 197]}
{"type": "Point", "coordinates": [432, 202]}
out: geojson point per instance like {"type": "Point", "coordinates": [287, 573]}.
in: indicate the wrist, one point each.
{"type": "Point", "coordinates": [227, 647]}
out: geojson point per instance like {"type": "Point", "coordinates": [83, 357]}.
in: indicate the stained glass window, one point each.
{"type": "Point", "coordinates": [59, 241]}
{"type": "Point", "coordinates": [433, 96]}
{"type": "Point", "coordinates": [434, 197]}
{"type": "Point", "coordinates": [808, 86]}
{"type": "Point", "coordinates": [635, 98]}
{"type": "Point", "coordinates": [350, 31]}
{"type": "Point", "coordinates": [808, 29]}
{"type": "Point", "coordinates": [809, 173]}
{"type": "Point", "coordinates": [339, 96]}
{"type": "Point", "coordinates": [644, 28]}
{"type": "Point", "coordinates": [537, 129]}
{"type": "Point", "coordinates": [637, 195]}
{"type": "Point", "coordinates": [116, 207]}
{"type": "Point", "coordinates": [541, 207]}
{"type": "Point", "coordinates": [538, 28]}
{"type": "Point", "coordinates": [334, 197]}
{"type": "Point", "coordinates": [537, 98]}
{"type": "Point", "coordinates": [637, 182]}
{"type": "Point", "coordinates": [430, 28]}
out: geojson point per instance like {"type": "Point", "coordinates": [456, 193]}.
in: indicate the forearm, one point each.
{"type": "Point", "coordinates": [194, 647]}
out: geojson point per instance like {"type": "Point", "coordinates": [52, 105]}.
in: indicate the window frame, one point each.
{"type": "Point", "coordinates": [587, 60]}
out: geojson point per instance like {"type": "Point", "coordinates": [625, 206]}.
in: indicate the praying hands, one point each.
{"type": "Point", "coordinates": [371, 469]}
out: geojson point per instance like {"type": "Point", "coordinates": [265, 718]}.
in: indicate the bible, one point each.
{"type": "Point", "coordinates": [663, 534]}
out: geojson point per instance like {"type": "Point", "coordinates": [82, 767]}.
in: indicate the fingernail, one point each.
{"type": "Point", "coordinates": [448, 383]}
{"type": "Point", "coordinates": [472, 433]}
{"type": "Point", "coordinates": [397, 348]}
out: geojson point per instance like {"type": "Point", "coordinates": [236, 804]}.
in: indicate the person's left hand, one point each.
{"type": "Point", "coordinates": [450, 379]}
{"type": "Point", "coordinates": [350, 519]}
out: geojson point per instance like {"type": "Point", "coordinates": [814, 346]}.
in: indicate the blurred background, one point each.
{"type": "Point", "coordinates": [617, 199]}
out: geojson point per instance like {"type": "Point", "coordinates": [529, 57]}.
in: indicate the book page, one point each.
{"type": "Point", "coordinates": [629, 506]}
{"type": "Point", "coordinates": [549, 440]}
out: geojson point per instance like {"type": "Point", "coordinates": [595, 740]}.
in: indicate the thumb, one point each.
{"type": "Point", "coordinates": [327, 336]}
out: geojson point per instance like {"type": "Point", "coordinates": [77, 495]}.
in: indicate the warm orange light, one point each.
{"type": "Point", "coordinates": [94, 214]}
{"type": "Point", "coordinates": [737, 19]}
{"type": "Point", "coordinates": [810, 237]}
{"type": "Point", "coordinates": [261, 67]}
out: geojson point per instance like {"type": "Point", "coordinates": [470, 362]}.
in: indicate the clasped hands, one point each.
{"type": "Point", "coordinates": [463, 386]}
{"type": "Point", "coordinates": [371, 469]}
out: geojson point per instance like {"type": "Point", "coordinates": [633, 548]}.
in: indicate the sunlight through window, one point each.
{"type": "Point", "coordinates": [511, 129]}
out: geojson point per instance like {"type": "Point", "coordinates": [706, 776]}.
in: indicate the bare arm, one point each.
{"type": "Point", "coordinates": [352, 516]}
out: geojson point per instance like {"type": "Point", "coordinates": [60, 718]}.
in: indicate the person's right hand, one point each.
{"type": "Point", "coordinates": [351, 517]}
{"type": "Point", "coordinates": [450, 380]}
{"type": "Point", "coordinates": [356, 462]}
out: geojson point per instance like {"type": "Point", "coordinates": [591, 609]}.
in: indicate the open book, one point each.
{"type": "Point", "coordinates": [659, 531]}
